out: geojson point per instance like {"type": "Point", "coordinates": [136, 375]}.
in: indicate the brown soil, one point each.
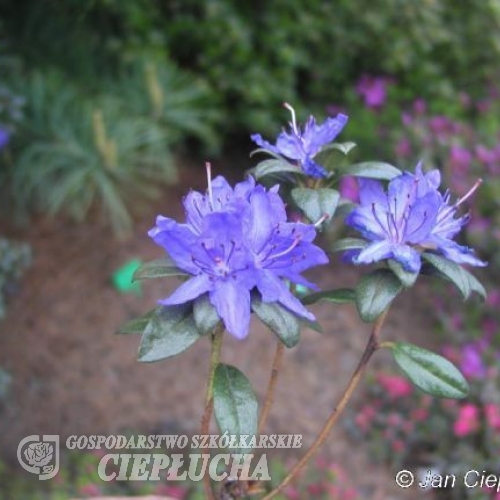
{"type": "Point", "coordinates": [72, 375]}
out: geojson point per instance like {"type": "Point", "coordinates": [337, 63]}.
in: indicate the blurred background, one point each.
{"type": "Point", "coordinates": [108, 112]}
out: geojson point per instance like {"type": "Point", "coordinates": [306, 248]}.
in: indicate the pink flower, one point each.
{"type": "Point", "coordinates": [439, 124]}
{"type": "Point", "coordinates": [292, 493]}
{"type": "Point", "coordinates": [485, 156]}
{"type": "Point", "coordinates": [90, 490]}
{"type": "Point", "coordinates": [373, 89]}
{"type": "Point", "coordinates": [394, 385]}
{"type": "Point", "coordinates": [419, 414]}
{"type": "Point", "coordinates": [349, 188]}
{"type": "Point", "coordinates": [403, 148]}
{"type": "Point", "coordinates": [398, 445]}
{"type": "Point", "coordinates": [460, 158]}
{"type": "Point", "coordinates": [493, 299]}
{"type": "Point", "coordinates": [419, 106]}
{"type": "Point", "coordinates": [467, 421]}
{"type": "Point", "coordinates": [492, 412]}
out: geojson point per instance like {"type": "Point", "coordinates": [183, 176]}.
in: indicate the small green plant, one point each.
{"type": "Point", "coordinates": [179, 103]}
{"type": "Point", "coordinates": [84, 151]}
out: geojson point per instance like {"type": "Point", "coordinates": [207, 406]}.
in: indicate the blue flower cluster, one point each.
{"type": "Point", "coordinates": [303, 145]}
{"type": "Point", "coordinates": [235, 241]}
{"type": "Point", "coordinates": [411, 217]}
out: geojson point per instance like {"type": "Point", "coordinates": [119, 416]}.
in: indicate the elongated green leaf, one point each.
{"type": "Point", "coordinates": [235, 403]}
{"type": "Point", "coordinates": [375, 292]}
{"type": "Point", "coordinates": [430, 372]}
{"type": "Point", "coordinates": [465, 282]}
{"type": "Point", "coordinates": [338, 296]}
{"type": "Point", "coordinates": [170, 331]}
{"type": "Point", "coordinates": [138, 325]}
{"type": "Point", "coordinates": [407, 278]}
{"type": "Point", "coordinates": [275, 166]}
{"type": "Point", "coordinates": [205, 315]}
{"type": "Point", "coordinates": [372, 170]}
{"type": "Point", "coordinates": [158, 269]}
{"type": "Point", "coordinates": [315, 203]}
{"type": "Point", "coordinates": [348, 244]}
{"type": "Point", "coordinates": [279, 320]}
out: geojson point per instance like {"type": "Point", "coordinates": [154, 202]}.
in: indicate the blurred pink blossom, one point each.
{"type": "Point", "coordinates": [492, 412]}
{"type": "Point", "coordinates": [419, 106]}
{"type": "Point", "coordinates": [460, 159]}
{"type": "Point", "coordinates": [90, 490]}
{"type": "Point", "coordinates": [403, 148]}
{"type": "Point", "coordinates": [467, 421]}
{"type": "Point", "coordinates": [395, 385]}
{"type": "Point", "coordinates": [373, 89]}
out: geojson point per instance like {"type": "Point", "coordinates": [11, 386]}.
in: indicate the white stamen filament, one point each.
{"type": "Point", "coordinates": [321, 220]}
{"type": "Point", "coordinates": [292, 111]}
{"type": "Point", "coordinates": [208, 167]}
{"type": "Point", "coordinates": [469, 193]}
{"type": "Point", "coordinates": [295, 242]}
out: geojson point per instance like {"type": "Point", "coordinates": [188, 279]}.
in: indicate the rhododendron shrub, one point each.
{"type": "Point", "coordinates": [239, 251]}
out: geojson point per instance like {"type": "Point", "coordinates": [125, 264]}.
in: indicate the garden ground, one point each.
{"type": "Point", "coordinates": [72, 375]}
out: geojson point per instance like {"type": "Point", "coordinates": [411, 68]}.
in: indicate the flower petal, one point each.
{"type": "Point", "coordinates": [232, 302]}
{"type": "Point", "coordinates": [374, 252]}
{"type": "Point", "coordinates": [408, 258]}
{"type": "Point", "coordinates": [317, 136]}
{"type": "Point", "coordinates": [189, 290]}
{"type": "Point", "coordinates": [291, 302]}
{"type": "Point", "coordinates": [257, 138]}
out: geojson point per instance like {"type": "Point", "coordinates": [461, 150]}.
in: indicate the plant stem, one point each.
{"type": "Point", "coordinates": [371, 346]}
{"type": "Point", "coordinates": [209, 400]}
{"type": "Point", "coordinates": [273, 379]}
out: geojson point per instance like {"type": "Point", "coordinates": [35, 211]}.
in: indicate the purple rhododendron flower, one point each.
{"type": "Point", "coordinates": [235, 241]}
{"type": "Point", "coordinates": [373, 90]}
{"type": "Point", "coordinates": [4, 137]}
{"type": "Point", "coordinates": [472, 362]}
{"type": "Point", "coordinates": [410, 217]}
{"type": "Point", "coordinates": [302, 145]}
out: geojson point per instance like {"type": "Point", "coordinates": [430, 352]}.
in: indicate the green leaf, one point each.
{"type": "Point", "coordinates": [205, 315]}
{"type": "Point", "coordinates": [407, 278]}
{"type": "Point", "coordinates": [312, 325]}
{"type": "Point", "coordinates": [338, 296]}
{"type": "Point", "coordinates": [372, 170]}
{"type": "Point", "coordinates": [235, 403]}
{"type": "Point", "coordinates": [273, 167]}
{"type": "Point", "coordinates": [170, 331]}
{"type": "Point", "coordinates": [465, 282]}
{"type": "Point", "coordinates": [375, 292]}
{"type": "Point", "coordinates": [158, 269]}
{"type": "Point", "coordinates": [430, 372]}
{"type": "Point", "coordinates": [348, 244]}
{"type": "Point", "coordinates": [280, 320]}
{"type": "Point", "coordinates": [315, 203]}
{"type": "Point", "coordinates": [138, 325]}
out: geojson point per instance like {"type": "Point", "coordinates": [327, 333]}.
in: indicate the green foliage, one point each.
{"type": "Point", "coordinates": [256, 56]}
{"type": "Point", "coordinates": [316, 203]}
{"type": "Point", "coordinates": [169, 331]}
{"type": "Point", "coordinates": [279, 320]}
{"type": "Point", "coordinates": [76, 149]}
{"type": "Point", "coordinates": [235, 403]}
{"type": "Point", "coordinates": [430, 372]}
{"type": "Point", "coordinates": [375, 292]}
